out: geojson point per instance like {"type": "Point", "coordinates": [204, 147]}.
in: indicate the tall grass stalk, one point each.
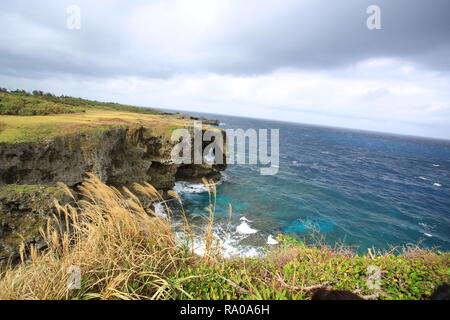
{"type": "Point", "coordinates": [124, 251]}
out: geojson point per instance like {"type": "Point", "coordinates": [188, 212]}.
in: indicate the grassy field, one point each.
{"type": "Point", "coordinates": [16, 129]}
{"type": "Point", "coordinates": [37, 116]}
{"type": "Point", "coordinates": [31, 117]}
{"type": "Point", "coordinates": [125, 251]}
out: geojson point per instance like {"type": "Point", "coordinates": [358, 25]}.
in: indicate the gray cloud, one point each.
{"type": "Point", "coordinates": [324, 34]}
{"type": "Point", "coordinates": [246, 37]}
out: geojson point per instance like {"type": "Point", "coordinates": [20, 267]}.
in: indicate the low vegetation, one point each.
{"type": "Point", "coordinates": [38, 116]}
{"type": "Point", "coordinates": [125, 251]}
{"type": "Point", "coordinates": [15, 191]}
{"type": "Point", "coordinates": [18, 129]}
{"type": "Point", "coordinates": [22, 103]}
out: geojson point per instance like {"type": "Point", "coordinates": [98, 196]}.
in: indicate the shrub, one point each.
{"type": "Point", "coordinates": [20, 102]}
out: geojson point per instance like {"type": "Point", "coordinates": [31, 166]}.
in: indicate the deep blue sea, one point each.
{"type": "Point", "coordinates": [357, 188]}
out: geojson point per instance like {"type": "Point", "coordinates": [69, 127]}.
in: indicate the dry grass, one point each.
{"type": "Point", "coordinates": [15, 129]}
{"type": "Point", "coordinates": [124, 251]}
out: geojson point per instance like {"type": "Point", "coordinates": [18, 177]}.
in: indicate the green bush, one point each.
{"type": "Point", "coordinates": [293, 269]}
{"type": "Point", "coordinates": [22, 103]}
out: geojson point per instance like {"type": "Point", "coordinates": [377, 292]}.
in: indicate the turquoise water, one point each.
{"type": "Point", "coordinates": [357, 188]}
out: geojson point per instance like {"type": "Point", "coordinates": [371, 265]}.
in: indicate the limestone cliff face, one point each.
{"type": "Point", "coordinates": [118, 156]}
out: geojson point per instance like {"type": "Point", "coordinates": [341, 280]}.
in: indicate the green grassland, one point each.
{"type": "Point", "coordinates": [14, 191]}
{"type": "Point", "coordinates": [22, 103]}
{"type": "Point", "coordinates": [26, 117]}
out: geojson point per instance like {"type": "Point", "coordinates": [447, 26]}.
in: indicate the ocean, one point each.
{"type": "Point", "coordinates": [338, 186]}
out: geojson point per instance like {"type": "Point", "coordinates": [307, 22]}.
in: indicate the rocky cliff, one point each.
{"type": "Point", "coordinates": [119, 156]}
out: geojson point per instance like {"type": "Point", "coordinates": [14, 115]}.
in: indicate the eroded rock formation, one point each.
{"type": "Point", "coordinates": [118, 156]}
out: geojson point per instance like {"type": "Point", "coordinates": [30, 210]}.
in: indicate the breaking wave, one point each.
{"type": "Point", "coordinates": [189, 187]}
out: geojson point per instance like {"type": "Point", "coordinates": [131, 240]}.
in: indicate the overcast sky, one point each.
{"type": "Point", "coordinates": [310, 61]}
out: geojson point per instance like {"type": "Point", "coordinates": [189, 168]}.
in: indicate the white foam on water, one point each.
{"type": "Point", "coordinates": [199, 247]}
{"type": "Point", "coordinates": [244, 228]}
{"type": "Point", "coordinates": [188, 187]}
{"type": "Point", "coordinates": [222, 124]}
{"type": "Point", "coordinates": [435, 165]}
{"type": "Point", "coordinates": [271, 240]}
{"type": "Point", "coordinates": [423, 178]}
{"type": "Point", "coordinates": [248, 252]}
{"type": "Point", "coordinates": [437, 184]}
{"type": "Point", "coordinates": [230, 242]}
{"type": "Point", "coordinates": [228, 245]}
{"type": "Point", "coordinates": [159, 209]}
{"type": "Point", "coordinates": [427, 234]}
{"type": "Point", "coordinates": [231, 248]}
